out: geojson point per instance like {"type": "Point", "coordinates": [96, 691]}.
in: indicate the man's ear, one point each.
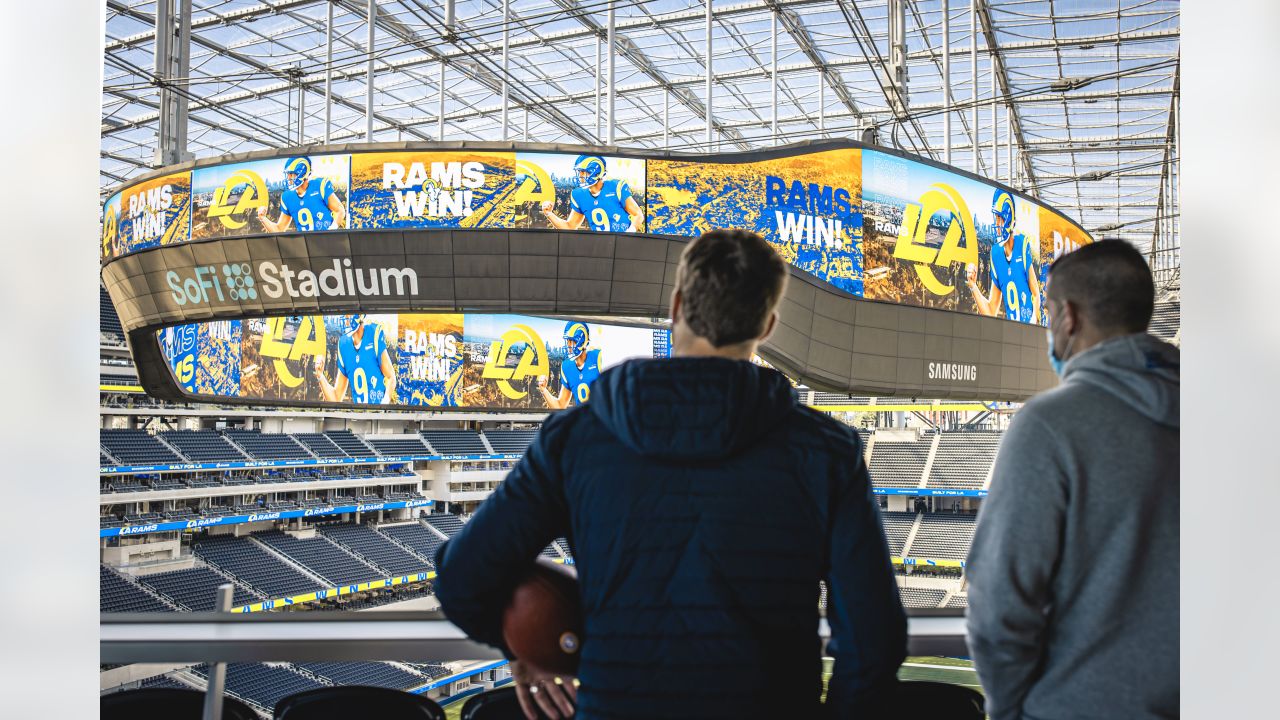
{"type": "Point", "coordinates": [770, 325]}
{"type": "Point", "coordinates": [676, 302]}
{"type": "Point", "coordinates": [1071, 320]}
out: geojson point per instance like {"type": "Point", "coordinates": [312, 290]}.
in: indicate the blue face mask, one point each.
{"type": "Point", "coordinates": [1056, 362]}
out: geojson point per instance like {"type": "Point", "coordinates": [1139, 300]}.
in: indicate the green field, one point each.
{"type": "Point", "coordinates": [938, 669]}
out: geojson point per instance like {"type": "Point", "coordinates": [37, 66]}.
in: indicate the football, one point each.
{"type": "Point", "coordinates": [542, 624]}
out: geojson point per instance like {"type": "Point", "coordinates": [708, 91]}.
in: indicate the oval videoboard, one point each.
{"type": "Point", "coordinates": [909, 278]}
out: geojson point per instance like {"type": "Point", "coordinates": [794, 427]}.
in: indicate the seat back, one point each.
{"type": "Point", "coordinates": [357, 701]}
{"type": "Point", "coordinates": [500, 704]}
{"type": "Point", "coordinates": [166, 704]}
{"type": "Point", "coordinates": [939, 701]}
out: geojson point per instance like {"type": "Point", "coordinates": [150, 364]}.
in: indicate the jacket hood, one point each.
{"type": "Point", "coordinates": [1140, 370]}
{"type": "Point", "coordinates": [690, 408]}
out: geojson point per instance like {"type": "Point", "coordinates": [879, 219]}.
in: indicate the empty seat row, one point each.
{"type": "Point", "coordinates": [509, 441]}
{"type": "Point", "coordinates": [375, 548]}
{"type": "Point", "coordinates": [943, 536]}
{"type": "Point", "coordinates": [252, 565]}
{"type": "Point", "coordinates": [321, 557]}
{"type": "Point", "coordinates": [455, 442]}
{"type": "Point", "coordinates": [116, 594]}
{"type": "Point", "coordinates": [194, 588]}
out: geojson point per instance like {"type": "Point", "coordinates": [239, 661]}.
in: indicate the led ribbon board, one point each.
{"type": "Point", "coordinates": [411, 229]}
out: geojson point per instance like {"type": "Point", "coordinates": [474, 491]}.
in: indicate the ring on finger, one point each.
{"type": "Point", "coordinates": [533, 689]}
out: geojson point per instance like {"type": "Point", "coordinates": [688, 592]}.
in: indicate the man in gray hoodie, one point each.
{"type": "Point", "coordinates": [1073, 572]}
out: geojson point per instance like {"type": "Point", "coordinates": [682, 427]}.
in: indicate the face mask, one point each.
{"type": "Point", "coordinates": [1056, 362]}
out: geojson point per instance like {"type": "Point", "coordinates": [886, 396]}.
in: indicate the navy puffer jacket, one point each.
{"type": "Point", "coordinates": [703, 505]}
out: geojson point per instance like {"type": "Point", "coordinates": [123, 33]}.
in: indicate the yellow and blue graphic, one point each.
{"type": "Point", "coordinates": [1057, 238]}
{"type": "Point", "coordinates": [112, 242]}
{"type": "Point", "coordinates": [587, 191]}
{"type": "Point", "coordinates": [928, 239]}
{"type": "Point", "coordinates": [153, 213]}
{"type": "Point", "coordinates": [809, 207]}
{"type": "Point", "coordinates": [300, 193]}
{"type": "Point", "coordinates": [429, 362]}
{"type": "Point", "coordinates": [204, 357]}
{"type": "Point", "coordinates": [431, 189]}
{"type": "Point", "coordinates": [434, 360]}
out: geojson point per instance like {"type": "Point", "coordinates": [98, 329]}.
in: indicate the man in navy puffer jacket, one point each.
{"type": "Point", "coordinates": [703, 505]}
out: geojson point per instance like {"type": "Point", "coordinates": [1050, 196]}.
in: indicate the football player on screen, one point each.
{"type": "Point", "coordinates": [363, 364]}
{"type": "Point", "coordinates": [607, 204]}
{"type": "Point", "coordinates": [577, 372]}
{"type": "Point", "coordinates": [1014, 282]}
{"type": "Point", "coordinates": [309, 202]}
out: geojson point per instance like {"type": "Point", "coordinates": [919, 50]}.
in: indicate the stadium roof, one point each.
{"type": "Point", "coordinates": [1085, 92]}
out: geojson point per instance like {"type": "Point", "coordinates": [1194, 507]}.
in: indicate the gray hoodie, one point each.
{"type": "Point", "coordinates": [1073, 573]}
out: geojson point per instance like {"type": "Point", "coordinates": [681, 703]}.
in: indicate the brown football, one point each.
{"type": "Point", "coordinates": [542, 625]}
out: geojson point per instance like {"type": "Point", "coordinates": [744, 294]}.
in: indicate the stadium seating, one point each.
{"type": "Point", "coordinates": [350, 443]}
{"type": "Point", "coordinates": [943, 536]}
{"type": "Point", "coordinates": [321, 557]}
{"type": "Point", "coordinates": [1167, 320]}
{"type": "Point", "coordinates": [117, 379]}
{"type": "Point", "coordinates": [564, 547]}
{"type": "Point", "coordinates": [269, 446]}
{"type": "Point", "coordinates": [416, 537]}
{"type": "Point", "coordinates": [958, 600]}
{"type": "Point", "coordinates": [320, 445]}
{"type": "Point", "coordinates": [403, 445]}
{"type": "Point", "coordinates": [963, 460]}
{"type": "Point", "coordinates": [914, 597]}
{"type": "Point", "coordinates": [433, 670]}
{"type": "Point", "coordinates": [137, 447]}
{"type": "Point", "coordinates": [899, 464]}
{"type": "Point", "coordinates": [446, 523]}
{"type": "Point", "coordinates": [897, 525]}
{"type": "Point", "coordinates": [108, 321]}
{"type": "Point", "coordinates": [116, 594]}
{"type": "Point", "coordinates": [262, 685]}
{"type": "Point", "coordinates": [194, 588]}
{"type": "Point", "coordinates": [255, 567]}
{"type": "Point", "coordinates": [203, 446]}
{"type": "Point", "coordinates": [365, 542]}
{"type": "Point", "coordinates": [374, 674]}
{"type": "Point", "coordinates": [455, 442]}
{"type": "Point", "coordinates": [509, 441]}
{"type": "Point", "coordinates": [825, 398]}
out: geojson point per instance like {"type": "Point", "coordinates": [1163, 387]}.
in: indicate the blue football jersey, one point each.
{"type": "Point", "coordinates": [579, 380]}
{"type": "Point", "coordinates": [1010, 275]}
{"type": "Point", "coordinates": [608, 210]}
{"type": "Point", "coordinates": [363, 365]}
{"type": "Point", "coordinates": [310, 210]}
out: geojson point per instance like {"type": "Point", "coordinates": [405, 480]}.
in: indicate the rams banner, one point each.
{"type": "Point", "coordinates": [199, 523]}
{"type": "Point", "coordinates": [406, 359]}
{"type": "Point", "coordinates": [808, 207]}
{"type": "Point", "coordinates": [871, 223]}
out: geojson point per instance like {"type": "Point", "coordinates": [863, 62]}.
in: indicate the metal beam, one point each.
{"type": "Point", "coordinates": [1002, 75]}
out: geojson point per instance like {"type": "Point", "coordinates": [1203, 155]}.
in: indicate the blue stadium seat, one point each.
{"type": "Point", "coordinates": [455, 442]}
{"type": "Point", "coordinates": [166, 703]}
{"type": "Point", "coordinates": [357, 702]}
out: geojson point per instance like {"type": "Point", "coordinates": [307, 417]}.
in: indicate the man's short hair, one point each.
{"type": "Point", "coordinates": [1110, 282]}
{"type": "Point", "coordinates": [729, 281]}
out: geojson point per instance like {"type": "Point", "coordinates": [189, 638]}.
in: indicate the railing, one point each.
{"type": "Point", "coordinates": [391, 635]}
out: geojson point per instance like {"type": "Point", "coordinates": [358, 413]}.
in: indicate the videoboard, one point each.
{"type": "Point", "coordinates": [455, 360]}
{"type": "Point", "coordinates": [873, 223]}
{"type": "Point", "coordinates": [908, 278]}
